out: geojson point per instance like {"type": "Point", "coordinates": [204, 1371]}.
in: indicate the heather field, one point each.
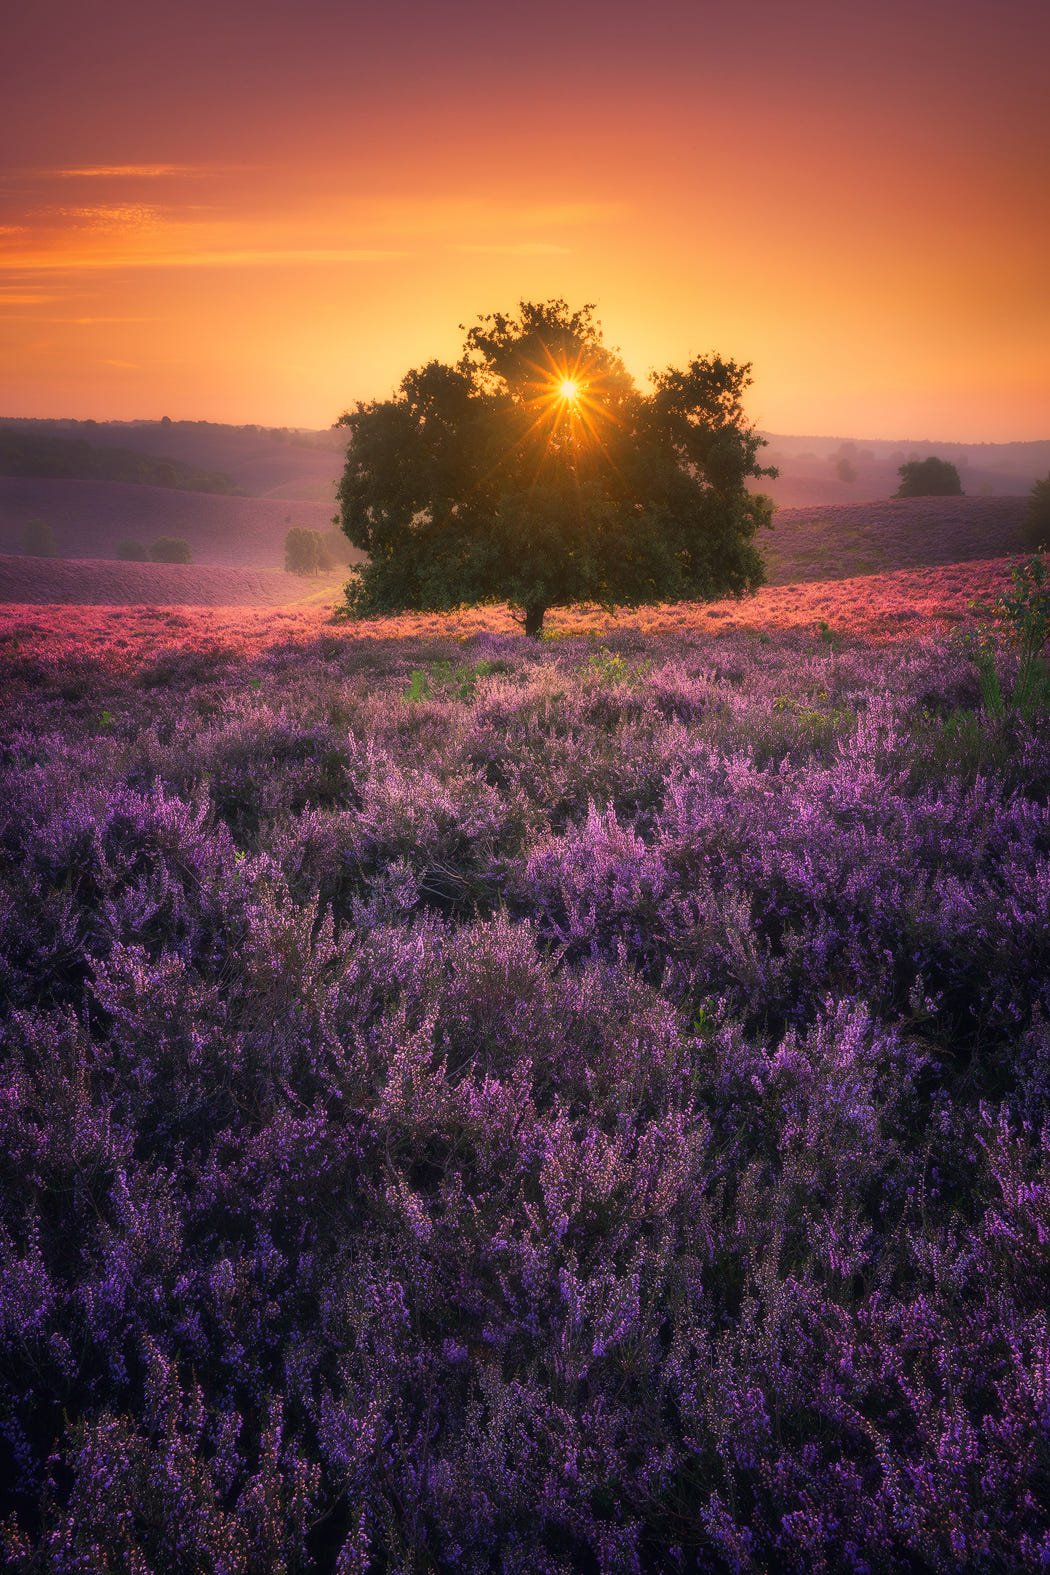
{"type": "Point", "coordinates": [485, 1105]}
{"type": "Point", "coordinates": [108, 583]}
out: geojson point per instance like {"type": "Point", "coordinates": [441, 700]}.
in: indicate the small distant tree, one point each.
{"type": "Point", "coordinates": [132, 551]}
{"type": "Point", "coordinates": [171, 549]}
{"type": "Point", "coordinates": [305, 551]}
{"type": "Point", "coordinates": [535, 472]}
{"type": "Point", "coordinates": [1037, 515]}
{"type": "Point", "coordinates": [38, 540]}
{"type": "Point", "coordinates": [929, 478]}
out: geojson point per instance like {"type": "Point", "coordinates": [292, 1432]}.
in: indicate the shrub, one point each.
{"type": "Point", "coordinates": [1018, 624]}
{"type": "Point", "coordinates": [929, 478]}
{"type": "Point", "coordinates": [599, 1126]}
{"type": "Point", "coordinates": [1037, 516]}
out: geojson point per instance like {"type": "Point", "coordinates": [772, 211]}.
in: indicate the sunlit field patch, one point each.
{"type": "Point", "coordinates": [873, 607]}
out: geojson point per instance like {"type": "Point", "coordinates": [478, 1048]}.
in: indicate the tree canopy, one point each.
{"type": "Point", "coordinates": [929, 478]}
{"type": "Point", "coordinates": [305, 551]}
{"type": "Point", "coordinates": [534, 471]}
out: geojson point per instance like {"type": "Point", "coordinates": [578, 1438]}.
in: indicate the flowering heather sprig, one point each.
{"type": "Point", "coordinates": [593, 1120]}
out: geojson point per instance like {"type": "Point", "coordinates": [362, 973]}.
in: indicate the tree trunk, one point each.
{"type": "Point", "coordinates": [534, 621]}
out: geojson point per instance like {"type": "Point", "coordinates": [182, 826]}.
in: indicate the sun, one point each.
{"type": "Point", "coordinates": [569, 390]}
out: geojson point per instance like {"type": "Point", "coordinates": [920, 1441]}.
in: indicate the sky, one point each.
{"type": "Point", "coordinates": [263, 212]}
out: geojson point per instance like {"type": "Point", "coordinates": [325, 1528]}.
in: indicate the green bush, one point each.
{"type": "Point", "coordinates": [929, 478]}
{"type": "Point", "coordinates": [1037, 516]}
{"type": "Point", "coordinates": [1018, 624]}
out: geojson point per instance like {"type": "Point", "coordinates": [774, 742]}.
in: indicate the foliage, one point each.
{"type": "Point", "coordinates": [305, 551]}
{"type": "Point", "coordinates": [608, 667]}
{"type": "Point", "coordinates": [38, 540]}
{"type": "Point", "coordinates": [129, 551]}
{"type": "Point", "coordinates": [535, 472]}
{"type": "Point", "coordinates": [1017, 623]}
{"type": "Point", "coordinates": [1037, 516]}
{"type": "Point", "coordinates": [929, 478]}
{"type": "Point", "coordinates": [444, 678]}
{"type": "Point", "coordinates": [598, 1127]}
{"type": "Point", "coordinates": [170, 549]}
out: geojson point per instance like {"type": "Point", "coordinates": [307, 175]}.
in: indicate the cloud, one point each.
{"type": "Point", "coordinates": [67, 263]}
{"type": "Point", "coordinates": [112, 216]}
{"type": "Point", "coordinates": [121, 171]}
{"type": "Point", "coordinates": [87, 322]}
{"type": "Point", "coordinates": [514, 249]}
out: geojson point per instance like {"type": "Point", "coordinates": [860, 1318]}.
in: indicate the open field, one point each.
{"type": "Point", "coordinates": [108, 582]}
{"type": "Point", "coordinates": [89, 518]}
{"type": "Point", "coordinates": [897, 533]}
{"type": "Point", "coordinates": [470, 1103]}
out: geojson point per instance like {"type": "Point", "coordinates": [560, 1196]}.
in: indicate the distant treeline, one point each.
{"type": "Point", "coordinates": [28, 453]}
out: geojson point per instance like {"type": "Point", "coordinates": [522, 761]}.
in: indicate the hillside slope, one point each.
{"type": "Point", "coordinates": [819, 543]}
{"type": "Point", "coordinates": [102, 582]}
{"type": "Point", "coordinates": [89, 518]}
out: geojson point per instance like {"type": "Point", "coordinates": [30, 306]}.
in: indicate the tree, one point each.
{"type": "Point", "coordinates": [929, 478]}
{"type": "Point", "coordinates": [305, 551]}
{"type": "Point", "coordinates": [171, 549]}
{"type": "Point", "coordinates": [535, 472]}
{"type": "Point", "coordinates": [38, 540]}
{"type": "Point", "coordinates": [1037, 515]}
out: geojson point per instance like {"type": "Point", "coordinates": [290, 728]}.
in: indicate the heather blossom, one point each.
{"type": "Point", "coordinates": [587, 1115]}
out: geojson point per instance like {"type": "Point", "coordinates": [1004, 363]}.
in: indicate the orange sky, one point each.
{"type": "Point", "coordinates": [261, 213]}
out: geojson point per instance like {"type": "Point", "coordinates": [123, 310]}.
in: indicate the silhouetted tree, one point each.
{"type": "Point", "coordinates": [929, 478]}
{"type": "Point", "coordinates": [38, 540]}
{"type": "Point", "coordinates": [305, 551]}
{"type": "Point", "coordinates": [171, 549]}
{"type": "Point", "coordinates": [132, 551]}
{"type": "Point", "coordinates": [844, 461]}
{"type": "Point", "coordinates": [535, 472]}
{"type": "Point", "coordinates": [1037, 515]}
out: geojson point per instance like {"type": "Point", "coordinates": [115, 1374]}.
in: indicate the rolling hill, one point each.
{"type": "Point", "coordinates": [89, 518]}
{"type": "Point", "coordinates": [100, 582]}
{"type": "Point", "coordinates": [899, 533]}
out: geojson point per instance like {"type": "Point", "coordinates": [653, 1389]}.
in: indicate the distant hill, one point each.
{"type": "Point", "coordinates": [843, 540]}
{"type": "Point", "coordinates": [276, 462]}
{"type": "Point", "coordinates": [822, 470]}
{"type": "Point", "coordinates": [304, 466]}
{"type": "Point", "coordinates": [45, 455]}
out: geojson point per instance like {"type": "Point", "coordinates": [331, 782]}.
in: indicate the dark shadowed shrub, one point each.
{"type": "Point", "coordinates": [929, 478]}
